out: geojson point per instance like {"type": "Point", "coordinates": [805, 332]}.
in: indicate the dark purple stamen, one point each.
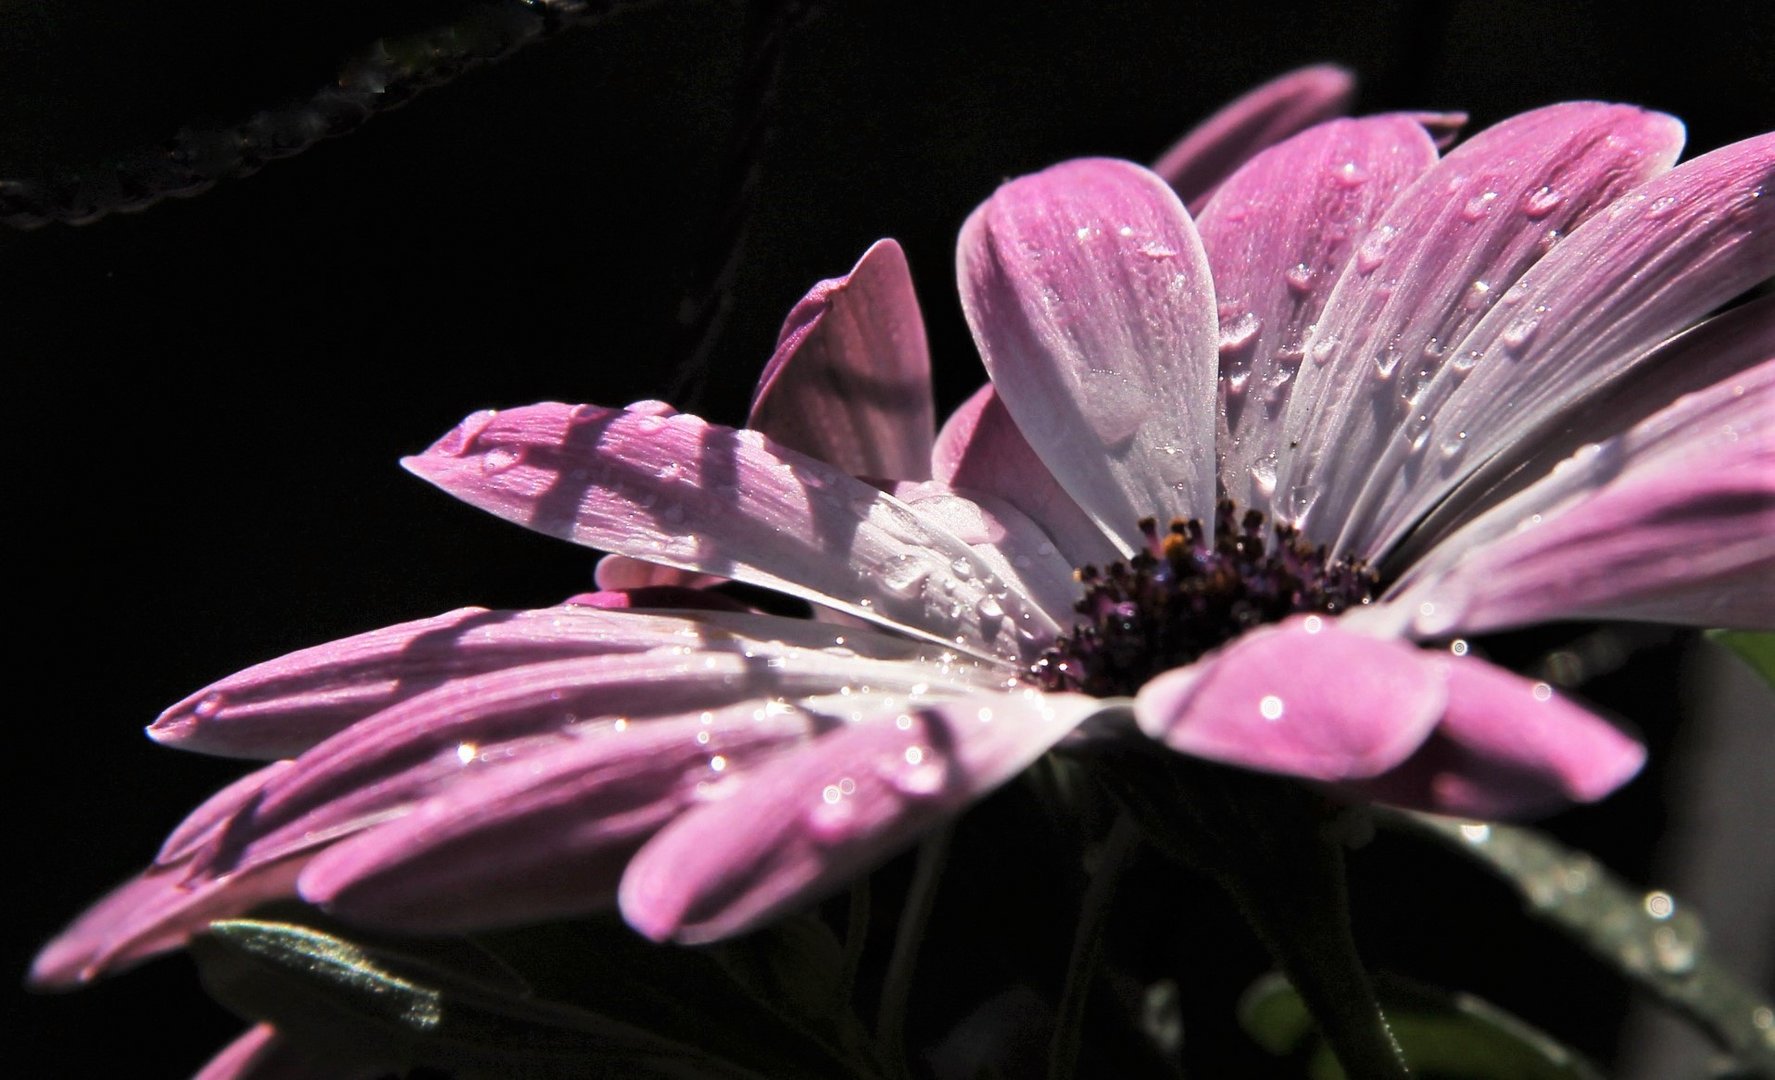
{"type": "Point", "coordinates": [1183, 596]}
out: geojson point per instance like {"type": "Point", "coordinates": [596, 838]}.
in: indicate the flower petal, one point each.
{"type": "Point", "coordinates": [1302, 698]}
{"type": "Point", "coordinates": [1598, 304]}
{"type": "Point", "coordinates": [446, 740]}
{"type": "Point", "coordinates": [151, 914]}
{"type": "Point", "coordinates": [1718, 350]}
{"type": "Point", "coordinates": [850, 383]}
{"type": "Point", "coordinates": [980, 449]}
{"type": "Point", "coordinates": [1439, 257]}
{"type": "Point", "coordinates": [1277, 235]}
{"type": "Point", "coordinates": [1090, 298]}
{"type": "Point", "coordinates": [1012, 547]}
{"type": "Point", "coordinates": [672, 489]}
{"type": "Point", "coordinates": [550, 839]}
{"type": "Point", "coordinates": [284, 706]}
{"type": "Point", "coordinates": [1199, 161]}
{"type": "Point", "coordinates": [1673, 520]}
{"type": "Point", "coordinates": [1508, 747]}
{"type": "Point", "coordinates": [809, 821]}
{"type": "Point", "coordinates": [621, 572]}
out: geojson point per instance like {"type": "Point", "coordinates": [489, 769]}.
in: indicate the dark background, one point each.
{"type": "Point", "coordinates": [213, 393]}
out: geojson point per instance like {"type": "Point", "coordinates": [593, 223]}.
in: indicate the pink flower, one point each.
{"type": "Point", "coordinates": [1443, 396]}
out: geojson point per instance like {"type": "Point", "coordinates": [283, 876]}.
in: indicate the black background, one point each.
{"type": "Point", "coordinates": [208, 399]}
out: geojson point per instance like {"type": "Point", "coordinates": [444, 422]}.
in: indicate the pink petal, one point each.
{"type": "Point", "coordinates": [1508, 747]}
{"type": "Point", "coordinates": [1008, 544]}
{"type": "Point", "coordinates": [850, 383]}
{"type": "Point", "coordinates": [622, 572]}
{"type": "Point", "coordinates": [1277, 235]}
{"type": "Point", "coordinates": [980, 449]}
{"type": "Point", "coordinates": [1718, 350]}
{"type": "Point", "coordinates": [1302, 698]}
{"type": "Point", "coordinates": [548, 840]}
{"type": "Point", "coordinates": [656, 598]}
{"type": "Point", "coordinates": [1090, 298]}
{"type": "Point", "coordinates": [1601, 301]}
{"type": "Point", "coordinates": [283, 706]}
{"type": "Point", "coordinates": [675, 490]}
{"type": "Point", "coordinates": [1672, 521]}
{"type": "Point", "coordinates": [202, 825]}
{"type": "Point", "coordinates": [1439, 258]}
{"type": "Point", "coordinates": [811, 820]}
{"type": "Point", "coordinates": [151, 914]}
{"type": "Point", "coordinates": [446, 740]}
{"type": "Point", "coordinates": [1264, 116]}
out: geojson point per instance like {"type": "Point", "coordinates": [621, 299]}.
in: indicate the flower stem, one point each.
{"type": "Point", "coordinates": [890, 1019]}
{"type": "Point", "coordinates": [1087, 945]}
{"type": "Point", "coordinates": [1269, 843]}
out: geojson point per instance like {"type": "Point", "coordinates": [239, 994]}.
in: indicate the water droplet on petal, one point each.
{"type": "Point", "coordinates": [1238, 332]}
{"type": "Point", "coordinates": [1350, 175]}
{"type": "Point", "coordinates": [1661, 207]}
{"type": "Point", "coordinates": [1271, 707]}
{"type": "Point", "coordinates": [1299, 277]}
{"type": "Point", "coordinates": [1478, 206]}
{"type": "Point", "coordinates": [1478, 296]}
{"type": "Point", "coordinates": [209, 707]}
{"type": "Point", "coordinates": [1373, 249]}
{"type": "Point", "coordinates": [1263, 475]}
{"type": "Point", "coordinates": [1542, 201]}
{"type": "Point", "coordinates": [989, 608]}
{"type": "Point", "coordinates": [499, 459]}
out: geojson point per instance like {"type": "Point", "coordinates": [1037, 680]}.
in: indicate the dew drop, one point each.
{"type": "Point", "coordinates": [209, 707]}
{"type": "Point", "coordinates": [1373, 249]}
{"type": "Point", "coordinates": [1517, 335]}
{"type": "Point", "coordinates": [904, 574]}
{"type": "Point", "coordinates": [1239, 332]}
{"type": "Point", "coordinates": [499, 459]}
{"type": "Point", "coordinates": [1263, 475]}
{"type": "Point", "coordinates": [1385, 363]}
{"type": "Point", "coordinates": [1478, 206]}
{"type": "Point", "coordinates": [1324, 348]}
{"type": "Point", "coordinates": [1542, 201]}
{"type": "Point", "coordinates": [1299, 277]}
{"type": "Point", "coordinates": [1478, 296]}
{"type": "Point", "coordinates": [1152, 249]}
{"type": "Point", "coordinates": [988, 608]}
{"type": "Point", "coordinates": [1299, 503]}
{"type": "Point", "coordinates": [1464, 361]}
{"type": "Point", "coordinates": [1453, 446]}
{"type": "Point", "coordinates": [1675, 948]}
{"type": "Point", "coordinates": [650, 424]}
{"type": "Point", "coordinates": [1661, 207]}
{"type": "Point", "coordinates": [1350, 175]}
{"type": "Point", "coordinates": [1271, 708]}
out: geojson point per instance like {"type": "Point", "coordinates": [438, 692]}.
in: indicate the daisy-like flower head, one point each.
{"type": "Point", "coordinates": [1239, 481]}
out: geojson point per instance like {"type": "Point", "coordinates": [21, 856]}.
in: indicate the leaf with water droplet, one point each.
{"type": "Point", "coordinates": [1661, 948]}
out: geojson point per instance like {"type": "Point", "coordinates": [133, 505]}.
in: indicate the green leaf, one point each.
{"type": "Point", "coordinates": [374, 1005]}
{"type": "Point", "coordinates": [1444, 1036]}
{"type": "Point", "coordinates": [1755, 649]}
{"type": "Point", "coordinates": [1650, 938]}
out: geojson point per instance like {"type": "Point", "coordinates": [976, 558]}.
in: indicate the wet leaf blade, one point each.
{"type": "Point", "coordinates": [1651, 939]}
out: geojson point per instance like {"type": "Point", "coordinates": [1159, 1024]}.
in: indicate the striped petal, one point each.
{"type": "Point", "coordinates": [1674, 520]}
{"type": "Point", "coordinates": [1302, 698]}
{"type": "Point", "coordinates": [816, 818]}
{"type": "Point", "coordinates": [1199, 161]}
{"type": "Point", "coordinates": [1427, 273]}
{"type": "Point", "coordinates": [1090, 298]}
{"type": "Point", "coordinates": [1277, 235]}
{"type": "Point", "coordinates": [980, 449]}
{"type": "Point", "coordinates": [1508, 747]}
{"type": "Point", "coordinates": [850, 382]}
{"type": "Point", "coordinates": [672, 489]}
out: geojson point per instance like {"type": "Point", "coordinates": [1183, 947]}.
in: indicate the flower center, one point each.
{"type": "Point", "coordinates": [1183, 596]}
